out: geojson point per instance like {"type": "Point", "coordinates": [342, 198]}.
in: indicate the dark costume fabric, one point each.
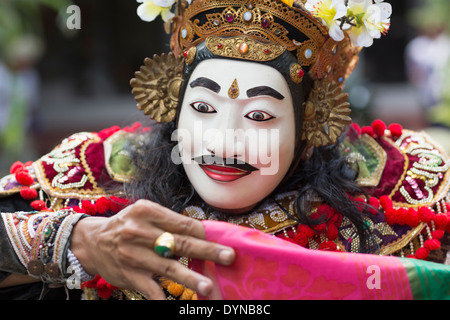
{"type": "Point", "coordinates": [404, 173]}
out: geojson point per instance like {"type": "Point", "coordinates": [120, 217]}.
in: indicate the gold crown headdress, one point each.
{"type": "Point", "coordinates": [261, 30]}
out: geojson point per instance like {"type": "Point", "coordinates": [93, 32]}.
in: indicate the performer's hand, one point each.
{"type": "Point", "coordinates": [121, 248]}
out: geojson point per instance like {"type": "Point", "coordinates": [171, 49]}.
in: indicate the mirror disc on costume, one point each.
{"type": "Point", "coordinates": [35, 267]}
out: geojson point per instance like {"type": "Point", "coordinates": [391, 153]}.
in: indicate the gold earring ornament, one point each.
{"type": "Point", "coordinates": [189, 55]}
{"type": "Point", "coordinates": [156, 86]}
{"type": "Point", "coordinates": [326, 114]}
{"type": "Point", "coordinates": [297, 73]}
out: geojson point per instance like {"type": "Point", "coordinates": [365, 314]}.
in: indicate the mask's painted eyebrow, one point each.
{"type": "Point", "coordinates": [206, 83]}
{"type": "Point", "coordinates": [264, 91]}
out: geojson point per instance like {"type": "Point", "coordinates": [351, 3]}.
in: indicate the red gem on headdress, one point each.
{"type": "Point", "coordinates": [219, 46]}
{"type": "Point", "coordinates": [301, 73]}
{"type": "Point", "coordinates": [185, 54]}
{"type": "Point", "coordinates": [266, 51]}
{"type": "Point", "coordinates": [264, 23]}
{"type": "Point", "coordinates": [229, 17]}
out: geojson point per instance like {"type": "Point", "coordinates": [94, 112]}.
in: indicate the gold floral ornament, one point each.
{"type": "Point", "coordinates": [156, 86]}
{"type": "Point", "coordinates": [326, 114]}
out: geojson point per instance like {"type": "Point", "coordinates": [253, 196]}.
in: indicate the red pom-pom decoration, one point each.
{"type": "Point", "coordinates": [378, 127]}
{"type": "Point", "coordinates": [432, 244]}
{"type": "Point", "coordinates": [102, 205]}
{"type": "Point", "coordinates": [117, 204]}
{"type": "Point", "coordinates": [412, 218]}
{"type": "Point", "coordinates": [354, 132]}
{"type": "Point", "coordinates": [332, 232]}
{"type": "Point", "coordinates": [306, 230]}
{"type": "Point", "coordinates": [28, 193]}
{"type": "Point", "coordinates": [23, 177]}
{"type": "Point", "coordinates": [38, 205]}
{"type": "Point", "coordinates": [425, 214]}
{"type": "Point", "coordinates": [325, 210]}
{"type": "Point", "coordinates": [396, 130]}
{"type": "Point", "coordinates": [375, 204]}
{"type": "Point", "coordinates": [105, 133]}
{"type": "Point", "coordinates": [89, 207]}
{"type": "Point", "coordinates": [386, 202]}
{"type": "Point", "coordinates": [440, 221]}
{"type": "Point", "coordinates": [368, 130]}
{"type": "Point", "coordinates": [391, 216]}
{"type": "Point", "coordinates": [356, 127]}
{"type": "Point", "coordinates": [78, 209]}
{"type": "Point", "coordinates": [16, 166]}
{"type": "Point", "coordinates": [328, 246]}
{"type": "Point", "coordinates": [422, 253]}
{"type": "Point", "coordinates": [301, 239]}
{"type": "Point", "coordinates": [133, 128]}
{"type": "Point", "coordinates": [360, 203]}
{"type": "Point", "coordinates": [437, 234]}
{"type": "Point", "coordinates": [321, 227]}
{"type": "Point", "coordinates": [401, 216]}
{"type": "Point", "coordinates": [91, 284]}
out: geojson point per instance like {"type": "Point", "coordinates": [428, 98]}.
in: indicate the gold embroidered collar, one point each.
{"type": "Point", "coordinates": [268, 216]}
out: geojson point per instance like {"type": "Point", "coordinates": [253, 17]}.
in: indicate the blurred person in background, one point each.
{"type": "Point", "coordinates": [21, 47]}
{"type": "Point", "coordinates": [427, 61]}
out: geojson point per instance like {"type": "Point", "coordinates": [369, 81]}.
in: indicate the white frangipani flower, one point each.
{"type": "Point", "coordinates": [149, 10]}
{"type": "Point", "coordinates": [371, 19]}
{"type": "Point", "coordinates": [329, 11]}
{"type": "Point", "coordinates": [363, 20]}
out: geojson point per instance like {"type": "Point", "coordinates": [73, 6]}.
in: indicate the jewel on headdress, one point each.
{"type": "Point", "coordinates": [308, 53]}
{"type": "Point", "coordinates": [265, 22]}
{"type": "Point", "coordinates": [243, 48]}
{"type": "Point", "coordinates": [184, 33]}
{"type": "Point", "coordinates": [247, 16]}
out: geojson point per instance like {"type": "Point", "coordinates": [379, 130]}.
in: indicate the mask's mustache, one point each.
{"type": "Point", "coordinates": [228, 162]}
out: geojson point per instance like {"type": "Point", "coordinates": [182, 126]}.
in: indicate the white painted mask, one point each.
{"type": "Point", "coordinates": [236, 132]}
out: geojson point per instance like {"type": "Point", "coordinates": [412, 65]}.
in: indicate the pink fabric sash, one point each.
{"type": "Point", "coordinates": [267, 267]}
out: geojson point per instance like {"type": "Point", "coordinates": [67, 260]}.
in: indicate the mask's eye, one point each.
{"type": "Point", "coordinates": [259, 116]}
{"type": "Point", "coordinates": [203, 107]}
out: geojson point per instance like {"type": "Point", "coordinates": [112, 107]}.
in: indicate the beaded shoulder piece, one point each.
{"type": "Point", "coordinates": [62, 187]}
{"type": "Point", "coordinates": [411, 168]}
{"type": "Point", "coordinates": [76, 170]}
{"type": "Point", "coordinates": [406, 175]}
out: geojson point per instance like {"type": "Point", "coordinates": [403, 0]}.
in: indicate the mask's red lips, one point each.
{"type": "Point", "coordinates": [223, 173]}
{"type": "Point", "coordinates": [224, 169]}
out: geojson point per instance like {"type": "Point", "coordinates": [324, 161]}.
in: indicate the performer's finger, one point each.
{"type": "Point", "coordinates": [186, 246]}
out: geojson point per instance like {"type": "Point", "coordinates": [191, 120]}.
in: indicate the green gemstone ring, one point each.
{"type": "Point", "coordinates": [165, 245]}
